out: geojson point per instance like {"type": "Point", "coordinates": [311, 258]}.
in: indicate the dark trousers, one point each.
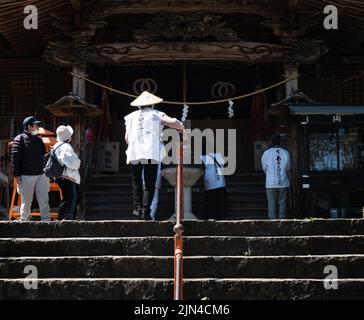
{"type": "Point", "coordinates": [70, 192]}
{"type": "Point", "coordinates": [216, 202]}
{"type": "Point", "coordinates": [142, 199]}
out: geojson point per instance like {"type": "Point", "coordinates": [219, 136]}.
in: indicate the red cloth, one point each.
{"type": "Point", "coordinates": [258, 116]}
{"type": "Point", "coordinates": [105, 118]}
{"type": "Point", "coordinates": [90, 136]}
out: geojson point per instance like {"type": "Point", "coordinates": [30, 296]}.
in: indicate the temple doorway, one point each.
{"type": "Point", "coordinates": [203, 82]}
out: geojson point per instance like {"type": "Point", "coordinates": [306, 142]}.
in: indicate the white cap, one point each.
{"type": "Point", "coordinates": [64, 133]}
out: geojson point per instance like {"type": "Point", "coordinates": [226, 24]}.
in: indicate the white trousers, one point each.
{"type": "Point", "coordinates": [26, 188]}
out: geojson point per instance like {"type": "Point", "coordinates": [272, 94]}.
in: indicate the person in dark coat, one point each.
{"type": "Point", "coordinates": [27, 157]}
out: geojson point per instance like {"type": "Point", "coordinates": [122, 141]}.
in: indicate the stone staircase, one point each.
{"type": "Point", "coordinates": [110, 197]}
{"type": "Point", "coordinates": [249, 259]}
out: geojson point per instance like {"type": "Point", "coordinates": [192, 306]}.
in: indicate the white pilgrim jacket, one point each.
{"type": "Point", "coordinates": [143, 131]}
{"type": "Point", "coordinates": [276, 163]}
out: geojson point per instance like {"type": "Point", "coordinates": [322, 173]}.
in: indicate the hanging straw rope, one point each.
{"type": "Point", "coordinates": [191, 103]}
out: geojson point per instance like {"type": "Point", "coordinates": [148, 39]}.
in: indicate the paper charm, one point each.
{"type": "Point", "coordinates": [184, 113]}
{"type": "Point", "coordinates": [231, 109]}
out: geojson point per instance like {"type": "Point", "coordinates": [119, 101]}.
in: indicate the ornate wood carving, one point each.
{"type": "Point", "coordinates": [239, 51]}
{"type": "Point", "coordinates": [63, 53]}
{"type": "Point", "coordinates": [186, 28]}
{"type": "Point", "coordinates": [306, 50]}
{"type": "Point", "coordinates": [178, 6]}
{"type": "Point", "coordinates": [291, 25]}
{"type": "Point", "coordinates": [83, 28]}
{"type": "Point", "coordinates": [60, 53]}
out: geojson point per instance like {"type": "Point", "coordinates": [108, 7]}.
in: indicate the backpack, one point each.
{"type": "Point", "coordinates": [52, 166]}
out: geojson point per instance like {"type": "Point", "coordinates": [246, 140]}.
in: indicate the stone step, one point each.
{"type": "Point", "coordinates": [117, 200]}
{"type": "Point", "coordinates": [194, 289]}
{"type": "Point", "coordinates": [125, 212]}
{"type": "Point", "coordinates": [165, 210]}
{"type": "Point", "coordinates": [126, 190]}
{"type": "Point", "coordinates": [244, 212]}
{"type": "Point", "coordinates": [127, 183]}
{"type": "Point", "coordinates": [246, 204]}
{"type": "Point", "coordinates": [164, 213]}
{"type": "Point", "coordinates": [126, 178]}
{"type": "Point", "coordinates": [196, 245]}
{"type": "Point", "coordinates": [125, 198]}
{"type": "Point", "coordinates": [258, 215]}
{"type": "Point", "coordinates": [126, 209]}
{"type": "Point", "coordinates": [113, 178]}
{"type": "Point", "coordinates": [312, 267]}
{"type": "Point", "coordinates": [122, 214]}
{"type": "Point", "coordinates": [137, 228]}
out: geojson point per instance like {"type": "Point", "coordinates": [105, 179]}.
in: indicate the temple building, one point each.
{"type": "Point", "coordinates": [195, 51]}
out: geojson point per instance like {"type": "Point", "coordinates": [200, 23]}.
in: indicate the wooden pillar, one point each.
{"type": "Point", "coordinates": [79, 85]}
{"type": "Point", "coordinates": [291, 70]}
{"type": "Point", "coordinates": [79, 89]}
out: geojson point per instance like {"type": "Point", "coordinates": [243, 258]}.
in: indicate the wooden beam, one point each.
{"type": "Point", "coordinates": [178, 6]}
{"type": "Point", "coordinates": [291, 71]}
{"type": "Point", "coordinates": [233, 51]}
{"type": "Point", "coordinates": [305, 51]}
{"type": "Point", "coordinates": [79, 85]}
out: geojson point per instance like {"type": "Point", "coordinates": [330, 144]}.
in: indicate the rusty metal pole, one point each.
{"type": "Point", "coordinates": [178, 228]}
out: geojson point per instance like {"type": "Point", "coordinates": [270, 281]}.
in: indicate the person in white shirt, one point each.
{"type": "Point", "coordinates": [70, 180]}
{"type": "Point", "coordinates": [276, 164]}
{"type": "Point", "coordinates": [143, 136]}
{"type": "Point", "coordinates": [215, 188]}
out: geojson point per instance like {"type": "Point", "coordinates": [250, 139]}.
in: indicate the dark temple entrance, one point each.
{"type": "Point", "coordinates": [204, 82]}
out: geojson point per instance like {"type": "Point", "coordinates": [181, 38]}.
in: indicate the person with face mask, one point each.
{"type": "Point", "coordinates": [27, 156]}
{"type": "Point", "coordinates": [70, 180]}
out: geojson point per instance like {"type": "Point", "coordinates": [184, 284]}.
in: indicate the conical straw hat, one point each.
{"type": "Point", "coordinates": [146, 99]}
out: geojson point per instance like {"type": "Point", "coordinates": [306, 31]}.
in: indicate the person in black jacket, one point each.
{"type": "Point", "coordinates": [27, 156]}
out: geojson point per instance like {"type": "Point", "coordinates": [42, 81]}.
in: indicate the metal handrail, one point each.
{"type": "Point", "coordinates": [178, 228]}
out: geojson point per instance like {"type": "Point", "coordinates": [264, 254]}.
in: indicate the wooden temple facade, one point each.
{"type": "Point", "coordinates": [200, 51]}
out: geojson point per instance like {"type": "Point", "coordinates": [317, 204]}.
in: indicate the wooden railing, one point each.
{"type": "Point", "coordinates": [178, 228]}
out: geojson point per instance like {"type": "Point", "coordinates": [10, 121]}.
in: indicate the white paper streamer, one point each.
{"type": "Point", "coordinates": [184, 113]}
{"type": "Point", "coordinates": [231, 109]}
